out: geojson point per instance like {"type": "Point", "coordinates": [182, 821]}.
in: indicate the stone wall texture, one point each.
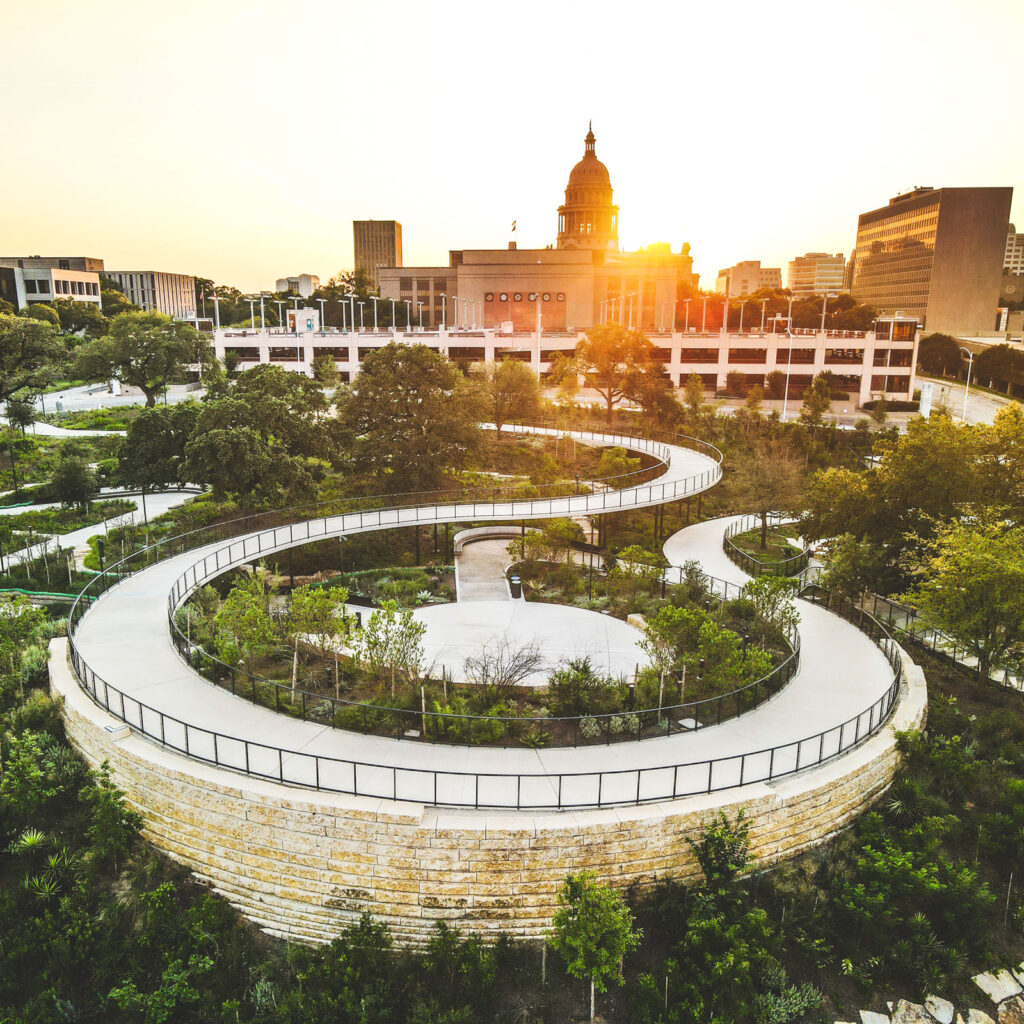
{"type": "Point", "coordinates": [304, 864]}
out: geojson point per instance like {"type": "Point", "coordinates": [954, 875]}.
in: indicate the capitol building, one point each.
{"type": "Point", "coordinates": [584, 279]}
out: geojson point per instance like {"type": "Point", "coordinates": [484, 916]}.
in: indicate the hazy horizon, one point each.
{"type": "Point", "coordinates": [228, 142]}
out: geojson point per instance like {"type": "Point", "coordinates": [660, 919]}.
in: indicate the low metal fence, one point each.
{"type": "Point", "coordinates": [414, 724]}
{"type": "Point", "coordinates": [752, 565]}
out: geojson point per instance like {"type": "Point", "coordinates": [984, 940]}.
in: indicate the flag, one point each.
{"type": "Point", "coordinates": [513, 225]}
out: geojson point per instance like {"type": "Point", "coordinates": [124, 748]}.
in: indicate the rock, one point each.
{"type": "Point", "coordinates": [910, 1013]}
{"type": "Point", "coordinates": [1011, 1011]}
{"type": "Point", "coordinates": [998, 986]}
{"type": "Point", "coordinates": [870, 1017]}
{"type": "Point", "coordinates": [941, 1009]}
{"type": "Point", "coordinates": [1018, 972]}
{"type": "Point", "coordinates": [979, 1017]}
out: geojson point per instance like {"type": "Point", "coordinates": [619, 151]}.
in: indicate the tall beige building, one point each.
{"type": "Point", "coordinates": [173, 294]}
{"type": "Point", "coordinates": [748, 277]}
{"type": "Point", "coordinates": [937, 254]}
{"type": "Point", "coordinates": [378, 243]}
{"type": "Point", "coordinates": [816, 273]}
{"type": "Point", "coordinates": [1013, 260]}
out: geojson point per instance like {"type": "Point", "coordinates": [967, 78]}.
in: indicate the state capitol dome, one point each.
{"type": "Point", "coordinates": [589, 219]}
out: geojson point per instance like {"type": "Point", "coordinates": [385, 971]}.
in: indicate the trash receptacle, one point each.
{"type": "Point", "coordinates": [516, 586]}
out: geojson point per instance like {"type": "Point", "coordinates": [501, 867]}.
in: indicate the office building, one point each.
{"type": "Point", "coordinates": [377, 243]}
{"type": "Point", "coordinates": [303, 284]}
{"type": "Point", "coordinates": [936, 254]}
{"type": "Point", "coordinates": [1013, 260]}
{"type": "Point", "coordinates": [585, 280]}
{"type": "Point", "coordinates": [87, 263]}
{"type": "Point", "coordinates": [153, 290]}
{"type": "Point", "coordinates": [39, 282]}
{"type": "Point", "coordinates": [816, 273]}
{"type": "Point", "coordinates": [747, 277]}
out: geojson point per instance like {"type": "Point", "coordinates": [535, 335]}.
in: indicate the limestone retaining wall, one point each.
{"type": "Point", "coordinates": [303, 864]}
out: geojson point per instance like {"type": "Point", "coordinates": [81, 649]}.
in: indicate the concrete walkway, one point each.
{"type": "Point", "coordinates": [157, 503]}
{"type": "Point", "coordinates": [480, 571]}
{"type": "Point", "coordinates": [124, 640]}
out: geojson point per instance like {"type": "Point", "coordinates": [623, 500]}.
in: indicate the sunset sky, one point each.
{"type": "Point", "coordinates": [239, 140]}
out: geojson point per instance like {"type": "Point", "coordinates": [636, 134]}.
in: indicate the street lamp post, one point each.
{"type": "Point", "coordinates": [444, 308]}
{"type": "Point", "coordinates": [408, 314]}
{"type": "Point", "coordinates": [323, 321]}
{"type": "Point", "coordinates": [686, 328]}
{"type": "Point", "coordinates": [967, 387]}
{"type": "Point", "coordinates": [704, 314]}
{"type": "Point", "coordinates": [764, 306]}
{"type": "Point", "coordinates": [361, 304]}
{"type": "Point", "coordinates": [789, 362]}
{"type": "Point", "coordinates": [394, 326]}
{"type": "Point", "coordinates": [263, 322]}
{"type": "Point", "coordinates": [631, 310]}
{"type": "Point", "coordinates": [419, 307]}
{"type": "Point", "coordinates": [252, 313]}
{"type": "Point", "coordinates": [824, 307]}
{"type": "Point", "coordinates": [373, 299]}
{"type": "Point", "coordinates": [743, 302]}
{"type": "Point", "coordinates": [295, 299]}
{"type": "Point", "coordinates": [280, 316]}
{"type": "Point", "coordinates": [351, 296]}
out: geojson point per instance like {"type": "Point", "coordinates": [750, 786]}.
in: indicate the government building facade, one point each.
{"type": "Point", "coordinates": [584, 279]}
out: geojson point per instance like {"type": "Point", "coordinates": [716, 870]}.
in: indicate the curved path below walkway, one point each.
{"type": "Point", "coordinates": [124, 641]}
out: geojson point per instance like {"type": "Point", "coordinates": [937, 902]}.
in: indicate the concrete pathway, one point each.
{"type": "Point", "coordinates": [480, 570]}
{"type": "Point", "coordinates": [124, 640]}
{"type": "Point", "coordinates": [156, 504]}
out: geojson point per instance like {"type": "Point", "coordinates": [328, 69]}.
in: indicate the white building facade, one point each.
{"type": "Point", "coordinates": [747, 277]}
{"type": "Point", "coordinates": [303, 284]}
{"type": "Point", "coordinates": [866, 364]}
{"type": "Point", "coordinates": [44, 284]}
{"type": "Point", "coordinates": [156, 291]}
{"type": "Point", "coordinates": [1013, 262]}
{"type": "Point", "coordinates": [816, 273]}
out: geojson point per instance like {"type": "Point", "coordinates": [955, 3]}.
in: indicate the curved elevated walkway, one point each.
{"type": "Point", "coordinates": [124, 641]}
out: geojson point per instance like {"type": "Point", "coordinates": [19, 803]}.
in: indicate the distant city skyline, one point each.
{"type": "Point", "coordinates": [187, 155]}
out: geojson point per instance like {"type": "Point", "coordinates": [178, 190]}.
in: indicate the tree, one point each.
{"type": "Point", "coordinates": [609, 357]}
{"type": "Point", "coordinates": [773, 601]}
{"type": "Point", "coordinates": [767, 479]}
{"type": "Point", "coordinates": [391, 644]}
{"type": "Point", "coordinates": [736, 383]}
{"type": "Point", "coordinates": [939, 354]}
{"type": "Point", "coordinates": [817, 399]}
{"type": "Point", "coordinates": [635, 567]}
{"type": "Point", "coordinates": [144, 350]}
{"type": "Point", "coordinates": [73, 482]}
{"type": "Point", "coordinates": [317, 615]}
{"type": "Point", "coordinates": [852, 566]}
{"type": "Point", "coordinates": [501, 666]}
{"type": "Point", "coordinates": [562, 534]}
{"type": "Point", "coordinates": [29, 349]}
{"type": "Point", "coordinates": [880, 412]}
{"type": "Point", "coordinates": [694, 392]}
{"type": "Point", "coordinates": [510, 390]}
{"type": "Point", "coordinates": [325, 370]}
{"type": "Point", "coordinates": [154, 446]}
{"type": "Point", "coordinates": [21, 623]}
{"type": "Point", "coordinates": [21, 413]}
{"type": "Point", "coordinates": [616, 462]}
{"type": "Point", "coordinates": [41, 311]}
{"type": "Point", "coordinates": [112, 300]}
{"type": "Point", "coordinates": [775, 384]}
{"type": "Point", "coordinates": [244, 626]}
{"type": "Point", "coordinates": [412, 416]}
{"type": "Point", "coordinates": [593, 929]}
{"type": "Point", "coordinates": [971, 582]}
{"type": "Point", "coordinates": [84, 317]}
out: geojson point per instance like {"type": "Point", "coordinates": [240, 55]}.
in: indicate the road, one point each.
{"type": "Point", "coordinates": [981, 405]}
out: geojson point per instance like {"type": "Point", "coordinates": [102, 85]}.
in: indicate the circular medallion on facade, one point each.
{"type": "Point", "coordinates": [503, 296]}
{"type": "Point", "coordinates": [547, 296]}
{"type": "Point", "coordinates": [561, 296]}
{"type": "Point", "coordinates": [488, 296]}
{"type": "Point", "coordinates": [518, 296]}
{"type": "Point", "coordinates": [533, 296]}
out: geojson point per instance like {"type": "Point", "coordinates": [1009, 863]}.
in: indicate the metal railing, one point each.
{"type": "Point", "coordinates": [625, 724]}
{"type": "Point", "coordinates": [752, 565]}
{"type": "Point", "coordinates": [496, 790]}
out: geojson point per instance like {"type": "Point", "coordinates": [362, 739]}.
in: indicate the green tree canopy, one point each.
{"type": "Point", "coordinates": [593, 929]}
{"type": "Point", "coordinates": [972, 587]}
{"type": "Point", "coordinates": [29, 351]}
{"type": "Point", "coordinates": [144, 350]}
{"type": "Point", "coordinates": [154, 446]}
{"type": "Point", "coordinates": [939, 354]}
{"type": "Point", "coordinates": [610, 357]}
{"type": "Point", "coordinates": [411, 416]}
{"type": "Point", "coordinates": [767, 478]}
{"type": "Point", "coordinates": [73, 481]}
{"type": "Point", "coordinates": [509, 390]}
{"type": "Point", "coordinates": [81, 316]}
